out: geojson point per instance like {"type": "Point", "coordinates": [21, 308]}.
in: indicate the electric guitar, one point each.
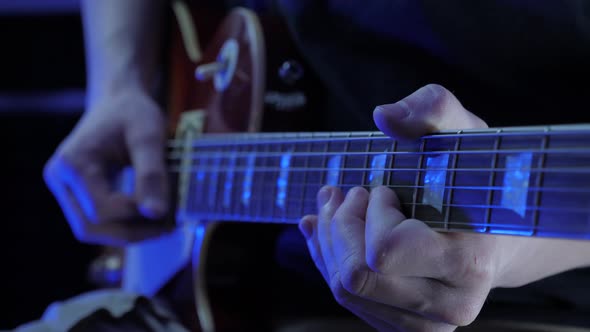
{"type": "Point", "coordinates": [522, 181]}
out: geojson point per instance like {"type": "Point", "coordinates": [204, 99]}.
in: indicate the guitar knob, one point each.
{"type": "Point", "coordinates": [290, 71]}
{"type": "Point", "coordinates": [207, 71]}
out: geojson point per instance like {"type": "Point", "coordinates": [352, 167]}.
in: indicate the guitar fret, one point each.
{"type": "Point", "coordinates": [391, 159]}
{"type": "Point", "coordinates": [418, 175]}
{"type": "Point", "coordinates": [364, 182]}
{"type": "Point", "coordinates": [274, 174]}
{"type": "Point", "coordinates": [260, 179]}
{"type": "Point", "coordinates": [539, 179]}
{"type": "Point", "coordinates": [488, 214]}
{"type": "Point", "coordinates": [213, 181]}
{"type": "Point", "coordinates": [306, 185]}
{"type": "Point", "coordinates": [343, 161]}
{"type": "Point", "coordinates": [452, 181]}
{"type": "Point", "coordinates": [247, 186]}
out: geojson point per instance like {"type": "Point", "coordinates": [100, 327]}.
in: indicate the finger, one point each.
{"type": "Point", "coordinates": [394, 243]}
{"type": "Point", "coordinates": [430, 109]}
{"type": "Point", "coordinates": [329, 200]}
{"type": "Point", "coordinates": [308, 227]}
{"type": "Point", "coordinates": [88, 183]}
{"type": "Point", "coordinates": [402, 247]}
{"type": "Point", "coordinates": [383, 215]}
{"type": "Point", "coordinates": [146, 146]}
{"type": "Point", "coordinates": [348, 240]}
{"type": "Point", "coordinates": [415, 265]}
{"type": "Point", "coordinates": [72, 210]}
{"type": "Point", "coordinates": [58, 172]}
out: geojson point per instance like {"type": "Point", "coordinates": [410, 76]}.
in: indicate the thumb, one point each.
{"type": "Point", "coordinates": [430, 109]}
{"type": "Point", "coordinates": [146, 148]}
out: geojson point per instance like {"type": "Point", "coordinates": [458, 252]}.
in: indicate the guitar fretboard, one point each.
{"type": "Point", "coordinates": [523, 181]}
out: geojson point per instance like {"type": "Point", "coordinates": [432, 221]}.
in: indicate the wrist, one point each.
{"type": "Point", "coordinates": [525, 260]}
{"type": "Point", "coordinates": [117, 85]}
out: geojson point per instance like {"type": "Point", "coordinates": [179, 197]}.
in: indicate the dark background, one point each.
{"type": "Point", "coordinates": [41, 98]}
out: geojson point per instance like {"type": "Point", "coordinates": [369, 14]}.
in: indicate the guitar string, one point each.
{"type": "Point", "coordinates": [222, 169]}
{"type": "Point", "coordinates": [217, 154]}
{"type": "Point", "coordinates": [585, 210]}
{"type": "Point", "coordinates": [490, 226]}
{"type": "Point", "coordinates": [295, 184]}
{"type": "Point", "coordinates": [309, 137]}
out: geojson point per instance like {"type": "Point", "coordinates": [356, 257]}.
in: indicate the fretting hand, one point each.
{"type": "Point", "coordinates": [397, 273]}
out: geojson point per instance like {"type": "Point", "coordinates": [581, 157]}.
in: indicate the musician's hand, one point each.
{"type": "Point", "coordinates": [127, 128]}
{"type": "Point", "coordinates": [397, 273]}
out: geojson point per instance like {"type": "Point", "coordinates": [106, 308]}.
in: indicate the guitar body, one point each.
{"type": "Point", "coordinates": [234, 274]}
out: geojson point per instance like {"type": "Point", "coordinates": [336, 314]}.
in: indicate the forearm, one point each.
{"type": "Point", "coordinates": [528, 260]}
{"type": "Point", "coordinates": [122, 39]}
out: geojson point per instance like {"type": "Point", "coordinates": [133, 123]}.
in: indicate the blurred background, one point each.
{"type": "Point", "coordinates": [42, 80]}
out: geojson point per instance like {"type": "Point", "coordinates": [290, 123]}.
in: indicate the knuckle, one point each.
{"type": "Point", "coordinates": [341, 295]}
{"type": "Point", "coordinates": [384, 253]}
{"type": "Point", "coordinates": [441, 98]}
{"type": "Point", "coordinates": [356, 192]}
{"type": "Point", "coordinates": [376, 258]}
{"type": "Point", "coordinates": [355, 279]}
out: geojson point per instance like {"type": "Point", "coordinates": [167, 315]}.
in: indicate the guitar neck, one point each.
{"type": "Point", "coordinates": [530, 181]}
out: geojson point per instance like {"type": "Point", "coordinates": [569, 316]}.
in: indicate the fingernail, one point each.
{"type": "Point", "coordinates": [306, 227]}
{"type": "Point", "coordinates": [324, 195]}
{"type": "Point", "coordinates": [152, 208]}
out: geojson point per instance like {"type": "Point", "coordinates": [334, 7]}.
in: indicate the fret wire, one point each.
{"type": "Point", "coordinates": [560, 233]}
{"type": "Point", "coordinates": [539, 179]}
{"type": "Point", "coordinates": [364, 181]}
{"type": "Point", "coordinates": [260, 203]}
{"type": "Point", "coordinates": [490, 196]}
{"type": "Point", "coordinates": [324, 166]}
{"type": "Point", "coordinates": [304, 189]}
{"type": "Point", "coordinates": [343, 161]}
{"type": "Point", "coordinates": [581, 150]}
{"type": "Point", "coordinates": [452, 182]}
{"type": "Point", "coordinates": [274, 180]}
{"type": "Point", "coordinates": [418, 175]}
{"type": "Point", "coordinates": [391, 159]}
{"type": "Point", "coordinates": [253, 186]}
{"type": "Point", "coordinates": [236, 188]}
{"type": "Point", "coordinates": [218, 202]}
